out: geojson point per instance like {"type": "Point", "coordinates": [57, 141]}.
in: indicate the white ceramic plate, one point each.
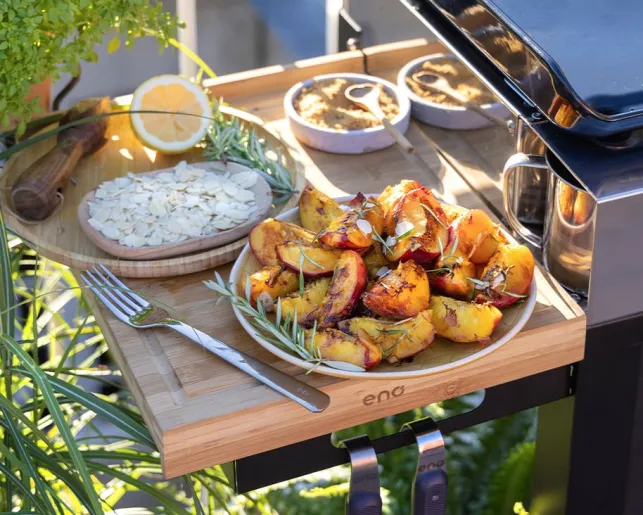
{"type": "Point", "coordinates": [441, 115]}
{"type": "Point", "coordinates": [441, 355]}
{"type": "Point", "coordinates": [263, 199]}
{"type": "Point", "coordinates": [344, 141]}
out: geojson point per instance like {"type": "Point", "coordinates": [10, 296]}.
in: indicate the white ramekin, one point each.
{"type": "Point", "coordinates": [346, 141]}
{"type": "Point", "coordinates": [440, 115]}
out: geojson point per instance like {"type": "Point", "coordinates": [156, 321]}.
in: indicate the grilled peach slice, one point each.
{"type": "Point", "coordinates": [313, 261]}
{"type": "Point", "coordinates": [338, 346]}
{"type": "Point", "coordinates": [398, 340]}
{"type": "Point", "coordinates": [269, 283]}
{"type": "Point", "coordinates": [375, 261]}
{"type": "Point", "coordinates": [370, 209]}
{"type": "Point", "coordinates": [402, 293]}
{"type": "Point", "coordinates": [348, 283]}
{"type": "Point", "coordinates": [306, 305]}
{"type": "Point", "coordinates": [418, 217]}
{"type": "Point", "coordinates": [317, 210]}
{"type": "Point", "coordinates": [266, 235]}
{"type": "Point", "coordinates": [507, 276]}
{"type": "Point", "coordinates": [474, 234]}
{"type": "Point", "coordinates": [463, 322]}
{"type": "Point", "coordinates": [452, 276]}
{"type": "Point", "coordinates": [354, 228]}
{"type": "Point", "coordinates": [392, 193]}
{"type": "Point", "coordinates": [453, 212]}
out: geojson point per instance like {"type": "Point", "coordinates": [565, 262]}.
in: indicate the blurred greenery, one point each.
{"type": "Point", "coordinates": [68, 445]}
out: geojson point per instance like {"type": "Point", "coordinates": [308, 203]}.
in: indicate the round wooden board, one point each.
{"type": "Point", "coordinates": [61, 239]}
{"type": "Point", "coordinates": [441, 355]}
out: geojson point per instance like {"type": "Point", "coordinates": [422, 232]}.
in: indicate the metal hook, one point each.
{"type": "Point", "coordinates": [430, 485]}
{"type": "Point", "coordinates": [364, 494]}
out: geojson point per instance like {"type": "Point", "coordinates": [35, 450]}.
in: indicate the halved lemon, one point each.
{"type": "Point", "coordinates": [170, 132]}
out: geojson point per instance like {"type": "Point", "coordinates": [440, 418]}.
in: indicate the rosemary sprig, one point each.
{"type": "Point", "coordinates": [432, 213]}
{"type": "Point", "coordinates": [304, 257]}
{"type": "Point", "coordinates": [228, 139]}
{"type": "Point", "coordinates": [404, 333]}
{"type": "Point", "coordinates": [379, 239]}
{"type": "Point", "coordinates": [286, 334]}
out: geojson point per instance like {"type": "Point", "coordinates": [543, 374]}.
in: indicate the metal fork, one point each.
{"type": "Point", "coordinates": [136, 312]}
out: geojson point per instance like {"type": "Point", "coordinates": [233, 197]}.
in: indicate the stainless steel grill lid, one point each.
{"type": "Point", "coordinates": [580, 62]}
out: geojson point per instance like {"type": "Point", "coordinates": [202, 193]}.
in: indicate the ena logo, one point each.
{"type": "Point", "coordinates": [384, 395]}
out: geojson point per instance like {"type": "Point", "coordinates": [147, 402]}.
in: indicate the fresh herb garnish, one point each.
{"type": "Point", "coordinates": [228, 139]}
{"type": "Point", "coordinates": [432, 213]}
{"type": "Point", "coordinates": [286, 334]}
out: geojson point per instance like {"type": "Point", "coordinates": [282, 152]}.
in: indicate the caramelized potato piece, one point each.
{"type": "Point", "coordinates": [269, 283]}
{"type": "Point", "coordinates": [305, 306]}
{"type": "Point", "coordinates": [419, 213]}
{"type": "Point", "coordinates": [265, 237]}
{"type": "Point", "coordinates": [474, 232]}
{"type": "Point", "coordinates": [392, 193]}
{"type": "Point", "coordinates": [398, 340]}
{"type": "Point", "coordinates": [354, 229]}
{"type": "Point", "coordinates": [375, 261]}
{"type": "Point", "coordinates": [452, 277]}
{"type": "Point", "coordinates": [402, 293]}
{"type": "Point", "coordinates": [508, 274]}
{"type": "Point", "coordinates": [338, 346]}
{"type": "Point", "coordinates": [316, 261]}
{"type": "Point", "coordinates": [317, 210]}
{"type": "Point", "coordinates": [463, 322]}
{"type": "Point", "coordinates": [348, 283]}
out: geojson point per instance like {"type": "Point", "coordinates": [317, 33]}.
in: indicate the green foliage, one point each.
{"type": "Point", "coordinates": [44, 38]}
{"type": "Point", "coordinates": [511, 483]}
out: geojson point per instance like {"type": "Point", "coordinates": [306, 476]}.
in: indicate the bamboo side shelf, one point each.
{"type": "Point", "coordinates": [202, 411]}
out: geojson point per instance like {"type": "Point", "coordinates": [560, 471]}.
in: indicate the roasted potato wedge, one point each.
{"type": "Point", "coordinates": [348, 283]}
{"type": "Point", "coordinates": [398, 340]}
{"type": "Point", "coordinates": [508, 275]}
{"type": "Point", "coordinates": [338, 346]}
{"type": "Point", "coordinates": [402, 293]}
{"type": "Point", "coordinates": [306, 305]}
{"type": "Point", "coordinates": [353, 229]}
{"type": "Point", "coordinates": [317, 210]}
{"type": "Point", "coordinates": [473, 237]}
{"type": "Point", "coordinates": [313, 261]}
{"type": "Point", "coordinates": [269, 283]}
{"type": "Point", "coordinates": [463, 322]}
{"type": "Point", "coordinates": [452, 276]}
{"type": "Point", "coordinates": [420, 214]}
{"type": "Point", "coordinates": [375, 261]}
{"type": "Point", "coordinates": [392, 193]}
{"type": "Point", "coordinates": [265, 237]}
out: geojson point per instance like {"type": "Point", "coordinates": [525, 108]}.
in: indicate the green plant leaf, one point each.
{"type": "Point", "coordinates": [113, 45]}
{"type": "Point", "coordinates": [49, 397]}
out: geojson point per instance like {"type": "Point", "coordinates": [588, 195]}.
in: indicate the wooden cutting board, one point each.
{"type": "Point", "coordinates": [61, 238]}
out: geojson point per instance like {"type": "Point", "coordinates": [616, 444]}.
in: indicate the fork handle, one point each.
{"type": "Point", "coordinates": [309, 397]}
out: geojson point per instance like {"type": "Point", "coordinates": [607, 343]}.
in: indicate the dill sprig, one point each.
{"type": "Point", "coordinates": [285, 333]}
{"type": "Point", "coordinates": [228, 139]}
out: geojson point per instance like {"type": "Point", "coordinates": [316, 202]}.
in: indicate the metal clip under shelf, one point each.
{"type": "Point", "coordinates": [364, 494]}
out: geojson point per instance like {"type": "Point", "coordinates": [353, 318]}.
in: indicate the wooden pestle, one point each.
{"type": "Point", "coordinates": [39, 190]}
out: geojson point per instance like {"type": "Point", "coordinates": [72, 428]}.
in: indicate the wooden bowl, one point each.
{"type": "Point", "coordinates": [440, 356]}
{"type": "Point", "coordinates": [263, 195]}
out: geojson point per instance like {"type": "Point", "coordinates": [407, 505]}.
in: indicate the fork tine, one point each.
{"type": "Point", "coordinates": [115, 311]}
{"type": "Point", "coordinates": [142, 302]}
{"type": "Point", "coordinates": [115, 290]}
{"type": "Point", "coordinates": [106, 289]}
